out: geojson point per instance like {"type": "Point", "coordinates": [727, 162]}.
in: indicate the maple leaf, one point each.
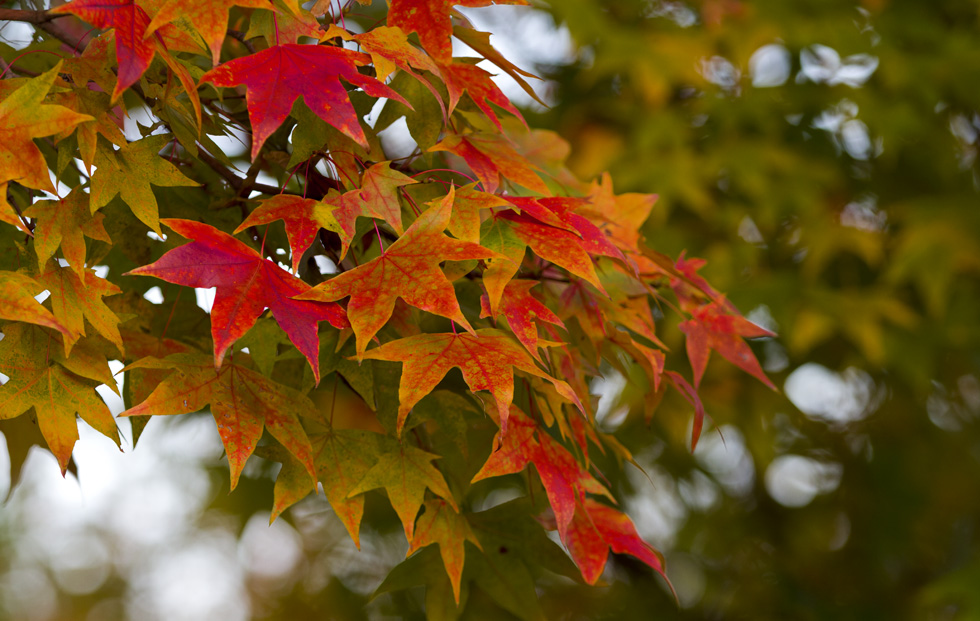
{"type": "Point", "coordinates": [622, 214]}
{"type": "Point", "coordinates": [442, 524]}
{"type": "Point", "coordinates": [376, 198]}
{"type": "Point", "coordinates": [208, 18]}
{"type": "Point", "coordinates": [246, 285]}
{"type": "Point", "coordinates": [56, 387]}
{"type": "Point", "coordinates": [9, 215]}
{"type": "Point", "coordinates": [486, 358]}
{"type": "Point", "coordinates": [94, 65]}
{"type": "Point", "coordinates": [711, 326]}
{"type": "Point", "coordinates": [342, 458]}
{"type": "Point", "coordinates": [243, 403]}
{"type": "Point", "coordinates": [129, 21]}
{"type": "Point", "coordinates": [521, 310]}
{"type": "Point", "coordinates": [303, 217]}
{"type": "Point", "coordinates": [129, 172]}
{"type": "Point", "coordinates": [466, 219]}
{"type": "Point", "coordinates": [106, 123]}
{"type": "Point", "coordinates": [492, 157]}
{"type": "Point", "coordinates": [408, 269]}
{"type": "Point", "coordinates": [460, 77]}
{"type": "Point", "coordinates": [564, 479]}
{"type": "Point", "coordinates": [275, 77]}
{"type": "Point", "coordinates": [595, 529]}
{"type": "Point", "coordinates": [23, 117]}
{"type": "Point", "coordinates": [65, 223]}
{"type": "Point", "coordinates": [480, 41]}
{"type": "Point", "coordinates": [19, 303]}
{"type": "Point", "coordinates": [405, 472]}
{"type": "Point", "coordinates": [74, 300]}
{"type": "Point", "coordinates": [431, 20]}
{"type": "Point", "coordinates": [559, 211]}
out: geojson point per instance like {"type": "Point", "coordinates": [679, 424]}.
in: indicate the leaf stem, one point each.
{"type": "Point", "coordinates": [275, 23]}
{"type": "Point", "coordinates": [173, 308]}
{"type": "Point", "coordinates": [380, 243]}
{"type": "Point", "coordinates": [19, 56]}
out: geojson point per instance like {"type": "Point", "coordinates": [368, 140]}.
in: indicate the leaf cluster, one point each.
{"type": "Point", "coordinates": [475, 249]}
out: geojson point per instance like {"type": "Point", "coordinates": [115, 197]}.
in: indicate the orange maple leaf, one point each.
{"type": "Point", "coordinates": [243, 403]}
{"type": "Point", "coordinates": [408, 269]}
{"type": "Point", "coordinates": [22, 118]}
{"type": "Point", "coordinates": [487, 359]}
{"type": "Point", "coordinates": [431, 20]}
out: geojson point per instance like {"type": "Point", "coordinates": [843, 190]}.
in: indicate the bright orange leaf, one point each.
{"type": "Point", "coordinates": [408, 269]}
{"type": "Point", "coordinates": [487, 359]}
{"type": "Point", "coordinates": [22, 118]}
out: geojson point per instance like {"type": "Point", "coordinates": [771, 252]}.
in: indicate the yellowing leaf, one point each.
{"type": "Point", "coordinates": [242, 401]}
{"type": "Point", "coordinates": [41, 379]}
{"type": "Point", "coordinates": [23, 117]}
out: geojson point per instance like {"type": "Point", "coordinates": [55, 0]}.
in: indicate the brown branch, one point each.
{"type": "Point", "coordinates": [239, 36]}
{"type": "Point", "coordinates": [233, 180]}
{"type": "Point", "coordinates": [31, 17]}
{"type": "Point", "coordinates": [46, 22]}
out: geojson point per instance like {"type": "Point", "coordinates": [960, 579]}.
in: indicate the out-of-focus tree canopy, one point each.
{"type": "Point", "coordinates": [821, 156]}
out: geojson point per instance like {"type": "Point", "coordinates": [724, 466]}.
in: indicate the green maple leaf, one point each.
{"type": "Point", "coordinates": [129, 172]}
{"type": "Point", "coordinates": [405, 472]}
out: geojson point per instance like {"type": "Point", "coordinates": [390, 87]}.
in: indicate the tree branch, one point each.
{"type": "Point", "coordinates": [31, 17]}
{"type": "Point", "coordinates": [233, 180]}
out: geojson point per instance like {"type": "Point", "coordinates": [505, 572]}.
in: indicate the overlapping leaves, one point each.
{"type": "Point", "coordinates": [527, 281]}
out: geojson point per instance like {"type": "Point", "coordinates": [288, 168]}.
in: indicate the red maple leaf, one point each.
{"type": "Point", "coordinates": [431, 19]}
{"type": "Point", "coordinates": [595, 529]}
{"type": "Point", "coordinates": [711, 326]}
{"type": "Point", "coordinates": [134, 53]}
{"type": "Point", "coordinates": [565, 481]}
{"type": "Point", "coordinates": [246, 285]}
{"type": "Point", "coordinates": [522, 311]}
{"type": "Point", "coordinates": [277, 76]}
{"type": "Point", "coordinates": [459, 77]}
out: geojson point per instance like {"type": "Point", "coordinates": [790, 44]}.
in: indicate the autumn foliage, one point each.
{"type": "Point", "coordinates": [346, 295]}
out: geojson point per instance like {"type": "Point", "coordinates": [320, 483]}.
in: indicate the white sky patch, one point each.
{"type": "Point", "coordinates": [154, 295]}
{"type": "Point", "coordinates": [794, 480]}
{"type": "Point", "coordinates": [205, 298]}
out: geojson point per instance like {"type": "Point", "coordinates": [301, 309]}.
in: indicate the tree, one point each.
{"type": "Point", "coordinates": [332, 340]}
{"type": "Point", "coordinates": [822, 157]}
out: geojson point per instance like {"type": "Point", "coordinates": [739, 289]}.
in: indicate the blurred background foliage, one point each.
{"type": "Point", "coordinates": [821, 156]}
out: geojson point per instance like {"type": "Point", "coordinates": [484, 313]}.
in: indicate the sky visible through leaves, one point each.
{"type": "Point", "coordinates": [790, 465]}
